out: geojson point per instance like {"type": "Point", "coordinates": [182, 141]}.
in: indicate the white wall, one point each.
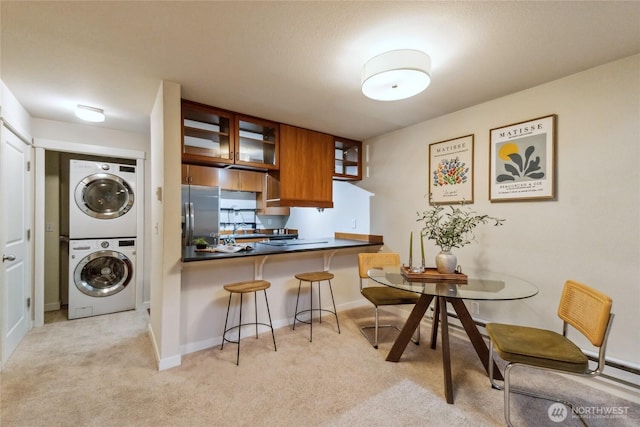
{"type": "Point", "coordinates": [591, 233]}
{"type": "Point", "coordinates": [165, 222]}
{"type": "Point", "coordinates": [13, 113]}
{"type": "Point", "coordinates": [90, 134]}
{"type": "Point", "coordinates": [350, 214]}
{"type": "Point", "coordinates": [52, 285]}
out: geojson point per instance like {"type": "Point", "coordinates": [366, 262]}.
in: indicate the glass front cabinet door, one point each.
{"type": "Point", "coordinates": [348, 160]}
{"type": "Point", "coordinates": [257, 142]}
{"type": "Point", "coordinates": [217, 137]}
{"type": "Point", "coordinates": [207, 134]}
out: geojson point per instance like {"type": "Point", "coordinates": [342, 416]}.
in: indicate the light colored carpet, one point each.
{"type": "Point", "coordinates": [412, 405]}
{"type": "Point", "coordinates": [100, 371]}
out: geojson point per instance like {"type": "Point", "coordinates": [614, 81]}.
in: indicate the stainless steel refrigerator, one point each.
{"type": "Point", "coordinates": [200, 213]}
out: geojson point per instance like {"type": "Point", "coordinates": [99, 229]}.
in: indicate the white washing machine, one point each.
{"type": "Point", "coordinates": [102, 276]}
{"type": "Point", "coordinates": [101, 200]}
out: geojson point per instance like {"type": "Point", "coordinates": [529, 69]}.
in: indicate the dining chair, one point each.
{"type": "Point", "coordinates": [581, 307]}
{"type": "Point", "coordinates": [382, 295]}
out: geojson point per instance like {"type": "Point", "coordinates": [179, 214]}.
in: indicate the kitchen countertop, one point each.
{"type": "Point", "coordinates": [268, 248]}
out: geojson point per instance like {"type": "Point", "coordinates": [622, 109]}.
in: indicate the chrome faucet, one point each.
{"type": "Point", "coordinates": [237, 226]}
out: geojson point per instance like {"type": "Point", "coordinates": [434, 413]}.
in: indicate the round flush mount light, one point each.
{"type": "Point", "coordinates": [397, 74]}
{"type": "Point", "coordinates": [90, 114]}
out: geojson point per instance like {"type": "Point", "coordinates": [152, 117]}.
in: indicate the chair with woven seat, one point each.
{"type": "Point", "coordinates": [581, 307]}
{"type": "Point", "coordinates": [381, 296]}
{"type": "Point", "coordinates": [311, 278]}
{"type": "Point", "coordinates": [241, 288]}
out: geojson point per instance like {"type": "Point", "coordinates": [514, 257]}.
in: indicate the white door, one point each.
{"type": "Point", "coordinates": [15, 220]}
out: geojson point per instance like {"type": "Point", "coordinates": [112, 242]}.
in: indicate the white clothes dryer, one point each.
{"type": "Point", "coordinates": [102, 276]}
{"type": "Point", "coordinates": [102, 200]}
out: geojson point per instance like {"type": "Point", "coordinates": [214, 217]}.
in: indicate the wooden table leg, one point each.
{"type": "Point", "coordinates": [474, 336]}
{"type": "Point", "coordinates": [434, 325]}
{"type": "Point", "coordinates": [446, 356]}
{"type": "Point", "coordinates": [409, 328]}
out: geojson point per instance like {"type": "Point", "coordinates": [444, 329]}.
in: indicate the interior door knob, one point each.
{"type": "Point", "coordinates": [8, 258]}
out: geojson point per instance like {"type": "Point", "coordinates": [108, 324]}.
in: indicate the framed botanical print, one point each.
{"type": "Point", "coordinates": [451, 171]}
{"type": "Point", "coordinates": [522, 160]}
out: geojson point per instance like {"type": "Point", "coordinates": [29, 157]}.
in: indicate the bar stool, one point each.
{"type": "Point", "coordinates": [243, 288]}
{"type": "Point", "coordinates": [318, 277]}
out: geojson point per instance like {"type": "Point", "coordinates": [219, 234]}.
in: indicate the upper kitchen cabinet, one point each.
{"type": "Point", "coordinates": [200, 175]}
{"type": "Point", "coordinates": [218, 137]}
{"type": "Point", "coordinates": [306, 169]}
{"type": "Point", "coordinates": [347, 160]}
{"type": "Point", "coordinates": [207, 134]}
{"type": "Point", "coordinates": [241, 180]}
{"type": "Point", "coordinates": [257, 142]}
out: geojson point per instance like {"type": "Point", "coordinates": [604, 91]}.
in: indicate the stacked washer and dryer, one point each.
{"type": "Point", "coordinates": [102, 238]}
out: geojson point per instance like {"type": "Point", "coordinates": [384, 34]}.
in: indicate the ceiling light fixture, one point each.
{"type": "Point", "coordinates": [397, 74]}
{"type": "Point", "coordinates": [90, 114]}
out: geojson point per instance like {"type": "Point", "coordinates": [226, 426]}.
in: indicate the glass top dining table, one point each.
{"type": "Point", "coordinates": [473, 285]}
{"type": "Point", "coordinates": [479, 285]}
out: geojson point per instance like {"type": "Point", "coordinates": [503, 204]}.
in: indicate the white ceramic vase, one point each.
{"type": "Point", "coordinates": [446, 262]}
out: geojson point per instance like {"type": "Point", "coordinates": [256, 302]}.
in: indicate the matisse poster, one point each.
{"type": "Point", "coordinates": [451, 171]}
{"type": "Point", "coordinates": [522, 160]}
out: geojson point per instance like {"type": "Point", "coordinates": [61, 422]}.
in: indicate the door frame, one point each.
{"type": "Point", "coordinates": [41, 146]}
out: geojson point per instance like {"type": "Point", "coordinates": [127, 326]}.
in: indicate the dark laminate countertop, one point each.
{"type": "Point", "coordinates": [259, 248]}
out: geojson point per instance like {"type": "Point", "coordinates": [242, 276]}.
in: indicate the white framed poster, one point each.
{"type": "Point", "coordinates": [451, 171]}
{"type": "Point", "coordinates": [522, 160]}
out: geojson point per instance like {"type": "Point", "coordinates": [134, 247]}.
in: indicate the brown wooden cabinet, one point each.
{"type": "Point", "coordinates": [270, 190]}
{"type": "Point", "coordinates": [207, 134]}
{"type": "Point", "coordinates": [306, 168]}
{"type": "Point", "coordinates": [256, 142]}
{"type": "Point", "coordinates": [241, 180]}
{"type": "Point", "coordinates": [347, 159]}
{"type": "Point", "coordinates": [200, 175]}
{"type": "Point", "coordinates": [217, 137]}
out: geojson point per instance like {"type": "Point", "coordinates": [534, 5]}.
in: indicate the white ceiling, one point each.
{"type": "Point", "coordinates": [297, 62]}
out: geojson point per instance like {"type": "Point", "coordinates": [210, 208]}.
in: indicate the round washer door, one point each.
{"type": "Point", "coordinates": [103, 273]}
{"type": "Point", "coordinates": [104, 196]}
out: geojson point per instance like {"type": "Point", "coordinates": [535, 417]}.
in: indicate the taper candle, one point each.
{"type": "Point", "coordinates": [411, 246]}
{"type": "Point", "coordinates": [422, 248]}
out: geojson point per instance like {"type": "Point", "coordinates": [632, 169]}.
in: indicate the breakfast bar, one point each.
{"type": "Point", "coordinates": [274, 247]}
{"type": "Point", "coordinates": [204, 274]}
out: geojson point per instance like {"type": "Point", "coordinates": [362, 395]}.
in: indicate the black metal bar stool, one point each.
{"type": "Point", "coordinates": [318, 277]}
{"type": "Point", "coordinates": [243, 288]}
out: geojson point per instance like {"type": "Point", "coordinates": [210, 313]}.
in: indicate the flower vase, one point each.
{"type": "Point", "coordinates": [446, 262]}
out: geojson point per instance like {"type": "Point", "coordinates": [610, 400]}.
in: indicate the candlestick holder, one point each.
{"type": "Point", "coordinates": [416, 269]}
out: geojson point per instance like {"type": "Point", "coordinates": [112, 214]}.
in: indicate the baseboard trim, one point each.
{"type": "Point", "coordinates": [166, 363]}
{"type": "Point", "coordinates": [52, 306]}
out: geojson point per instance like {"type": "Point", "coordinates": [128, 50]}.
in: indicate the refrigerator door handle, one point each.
{"type": "Point", "coordinates": [187, 224]}
{"type": "Point", "coordinates": [191, 221]}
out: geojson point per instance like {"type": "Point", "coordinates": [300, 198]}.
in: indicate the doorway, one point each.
{"type": "Point", "coordinates": [56, 227]}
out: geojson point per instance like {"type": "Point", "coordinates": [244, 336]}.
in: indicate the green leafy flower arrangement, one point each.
{"type": "Point", "coordinates": [452, 228]}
